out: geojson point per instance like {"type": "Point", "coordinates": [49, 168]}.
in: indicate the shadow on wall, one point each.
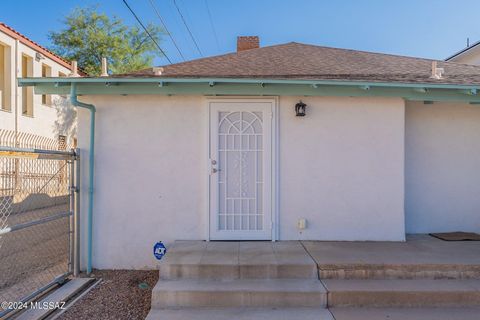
{"type": "Point", "coordinates": [66, 122]}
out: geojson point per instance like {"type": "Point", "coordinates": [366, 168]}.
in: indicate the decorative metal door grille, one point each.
{"type": "Point", "coordinates": [240, 163]}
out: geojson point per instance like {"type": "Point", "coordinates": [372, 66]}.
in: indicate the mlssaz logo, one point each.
{"type": "Point", "coordinates": [159, 250]}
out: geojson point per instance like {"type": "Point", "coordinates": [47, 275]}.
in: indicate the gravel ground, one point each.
{"type": "Point", "coordinates": [117, 297]}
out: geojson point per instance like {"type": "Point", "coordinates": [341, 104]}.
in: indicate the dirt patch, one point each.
{"type": "Point", "coordinates": [121, 295]}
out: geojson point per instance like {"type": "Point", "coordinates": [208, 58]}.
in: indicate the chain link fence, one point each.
{"type": "Point", "coordinates": [37, 207]}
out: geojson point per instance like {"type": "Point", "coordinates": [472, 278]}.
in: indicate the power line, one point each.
{"type": "Point", "coordinates": [166, 29]}
{"type": "Point", "coordinates": [146, 30]}
{"type": "Point", "coordinates": [186, 26]}
{"type": "Point", "coordinates": [213, 26]}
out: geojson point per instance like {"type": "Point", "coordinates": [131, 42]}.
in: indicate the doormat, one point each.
{"type": "Point", "coordinates": [457, 236]}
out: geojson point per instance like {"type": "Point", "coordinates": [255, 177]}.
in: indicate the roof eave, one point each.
{"type": "Point", "coordinates": [464, 50]}
{"type": "Point", "coordinates": [254, 87]}
{"type": "Point", "coordinates": [62, 81]}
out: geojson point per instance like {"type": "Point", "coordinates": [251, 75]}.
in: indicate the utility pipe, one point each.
{"type": "Point", "coordinates": [91, 108]}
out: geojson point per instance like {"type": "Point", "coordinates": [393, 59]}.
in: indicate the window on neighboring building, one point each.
{"type": "Point", "coordinates": [46, 98]}
{"type": "Point", "coordinates": [27, 92]}
{"type": "Point", "coordinates": [62, 142]}
{"type": "Point", "coordinates": [5, 77]}
{"type": "Point", "coordinates": [61, 75]}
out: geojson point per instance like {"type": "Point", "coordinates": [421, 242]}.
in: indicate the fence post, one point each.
{"type": "Point", "coordinates": [76, 215]}
{"type": "Point", "coordinates": [71, 220]}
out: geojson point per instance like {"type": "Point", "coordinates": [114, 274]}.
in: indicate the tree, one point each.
{"type": "Point", "coordinates": [89, 35]}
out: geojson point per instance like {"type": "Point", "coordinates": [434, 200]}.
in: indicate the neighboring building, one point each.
{"type": "Point", "coordinates": [30, 119]}
{"type": "Point", "coordinates": [469, 55]}
{"type": "Point", "coordinates": [212, 149]}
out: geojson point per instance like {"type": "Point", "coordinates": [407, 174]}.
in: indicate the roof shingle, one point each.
{"type": "Point", "coordinates": [309, 62]}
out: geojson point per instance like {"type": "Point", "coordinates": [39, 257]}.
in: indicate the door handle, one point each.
{"type": "Point", "coordinates": [214, 170]}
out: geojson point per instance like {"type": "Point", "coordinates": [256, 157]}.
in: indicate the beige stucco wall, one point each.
{"type": "Point", "coordinates": [472, 56]}
{"type": "Point", "coordinates": [442, 175]}
{"type": "Point", "coordinates": [149, 175]}
{"type": "Point", "coordinates": [340, 167]}
{"type": "Point", "coordinates": [43, 119]}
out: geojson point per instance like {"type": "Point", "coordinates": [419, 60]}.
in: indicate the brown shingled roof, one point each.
{"type": "Point", "coordinates": [308, 62]}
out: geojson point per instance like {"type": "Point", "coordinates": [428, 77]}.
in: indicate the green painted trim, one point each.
{"type": "Point", "coordinates": [231, 86]}
{"type": "Point", "coordinates": [221, 88]}
{"type": "Point", "coordinates": [157, 80]}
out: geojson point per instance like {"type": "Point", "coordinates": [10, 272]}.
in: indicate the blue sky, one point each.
{"type": "Point", "coordinates": [423, 28]}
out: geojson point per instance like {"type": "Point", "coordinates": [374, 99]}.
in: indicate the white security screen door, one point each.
{"type": "Point", "coordinates": [241, 165]}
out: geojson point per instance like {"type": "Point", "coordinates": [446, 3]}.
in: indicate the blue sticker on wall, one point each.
{"type": "Point", "coordinates": [159, 250]}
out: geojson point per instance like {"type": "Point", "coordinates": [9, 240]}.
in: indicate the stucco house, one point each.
{"type": "Point", "coordinates": [468, 55]}
{"type": "Point", "coordinates": [220, 148]}
{"type": "Point", "coordinates": [27, 119]}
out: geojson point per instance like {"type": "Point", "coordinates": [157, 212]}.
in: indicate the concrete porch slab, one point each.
{"type": "Point", "coordinates": [423, 272]}
{"type": "Point", "coordinates": [421, 256]}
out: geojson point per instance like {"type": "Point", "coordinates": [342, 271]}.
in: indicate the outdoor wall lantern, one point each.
{"type": "Point", "coordinates": [300, 109]}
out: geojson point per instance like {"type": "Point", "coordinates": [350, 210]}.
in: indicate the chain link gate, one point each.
{"type": "Point", "coordinates": [39, 244]}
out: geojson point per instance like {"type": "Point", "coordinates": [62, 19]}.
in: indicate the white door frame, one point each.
{"type": "Point", "coordinates": [274, 158]}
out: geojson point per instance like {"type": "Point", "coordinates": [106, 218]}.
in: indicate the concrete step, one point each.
{"type": "Point", "coordinates": [172, 271]}
{"type": "Point", "coordinates": [403, 293]}
{"type": "Point", "coordinates": [406, 313]}
{"type": "Point", "coordinates": [398, 271]}
{"type": "Point", "coordinates": [237, 260]}
{"type": "Point", "coordinates": [240, 314]}
{"type": "Point", "coordinates": [239, 293]}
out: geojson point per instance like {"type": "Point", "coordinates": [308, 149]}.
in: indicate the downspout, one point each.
{"type": "Point", "coordinates": [16, 93]}
{"type": "Point", "coordinates": [91, 107]}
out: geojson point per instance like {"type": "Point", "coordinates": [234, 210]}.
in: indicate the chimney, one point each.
{"type": "Point", "coordinates": [74, 69]}
{"type": "Point", "coordinates": [437, 73]}
{"type": "Point", "coordinates": [247, 43]}
{"type": "Point", "coordinates": [157, 71]}
{"type": "Point", "coordinates": [104, 68]}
